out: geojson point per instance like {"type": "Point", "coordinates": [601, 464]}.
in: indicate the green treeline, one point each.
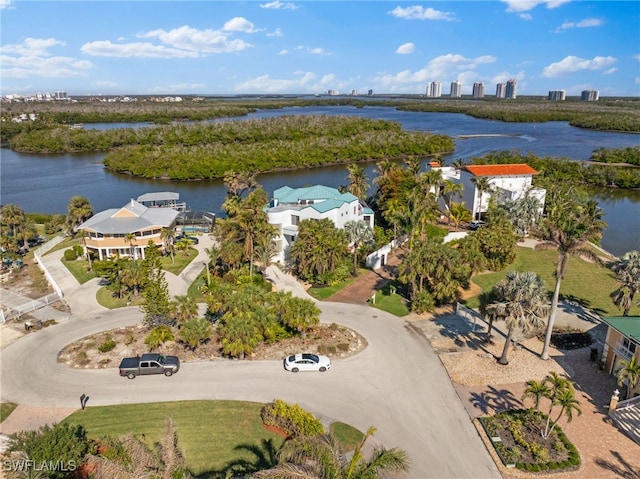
{"type": "Point", "coordinates": [558, 170]}
{"type": "Point", "coordinates": [629, 155]}
{"type": "Point", "coordinates": [270, 144]}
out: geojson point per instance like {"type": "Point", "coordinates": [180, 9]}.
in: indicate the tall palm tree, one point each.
{"type": "Point", "coordinates": [78, 211]}
{"type": "Point", "coordinates": [359, 233]}
{"type": "Point", "coordinates": [319, 457]}
{"type": "Point", "coordinates": [130, 238]}
{"type": "Point", "coordinates": [522, 303]}
{"type": "Point", "coordinates": [168, 235]}
{"type": "Point", "coordinates": [449, 190]}
{"type": "Point", "coordinates": [358, 181]}
{"type": "Point", "coordinates": [628, 275]}
{"type": "Point", "coordinates": [568, 229]}
{"type": "Point", "coordinates": [629, 374]}
{"type": "Point", "coordinates": [565, 398]}
{"type": "Point", "coordinates": [459, 214]}
{"type": "Point", "coordinates": [482, 185]}
{"type": "Point", "coordinates": [12, 217]}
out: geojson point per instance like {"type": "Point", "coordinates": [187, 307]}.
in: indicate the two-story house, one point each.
{"type": "Point", "coordinates": [290, 206]}
{"type": "Point", "coordinates": [108, 233]}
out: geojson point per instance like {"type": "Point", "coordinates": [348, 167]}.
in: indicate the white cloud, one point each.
{"type": "Point", "coordinates": [178, 88]}
{"type": "Point", "coordinates": [573, 64]}
{"type": "Point", "coordinates": [586, 23]}
{"type": "Point", "coordinates": [239, 24]}
{"type": "Point", "coordinates": [32, 57]}
{"type": "Point", "coordinates": [104, 48]}
{"type": "Point", "coordinates": [108, 84]}
{"type": "Point", "coordinates": [526, 5]}
{"type": "Point", "coordinates": [4, 4]}
{"type": "Point", "coordinates": [201, 41]}
{"type": "Point", "coordinates": [276, 33]}
{"type": "Point", "coordinates": [610, 71]}
{"type": "Point", "coordinates": [637, 80]}
{"type": "Point", "coordinates": [318, 51]}
{"type": "Point", "coordinates": [417, 12]}
{"type": "Point", "coordinates": [406, 49]}
{"type": "Point", "coordinates": [439, 69]}
{"type": "Point", "coordinates": [637, 57]}
{"type": "Point", "coordinates": [265, 83]}
{"type": "Point", "coordinates": [283, 52]}
{"type": "Point", "coordinates": [277, 5]}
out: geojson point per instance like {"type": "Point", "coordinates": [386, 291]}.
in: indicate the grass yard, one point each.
{"type": "Point", "coordinates": [390, 301]}
{"type": "Point", "coordinates": [180, 261]}
{"type": "Point", "coordinates": [209, 432]}
{"type": "Point", "coordinates": [585, 283]}
{"type": "Point", "coordinates": [323, 292]}
{"type": "Point", "coordinates": [79, 268]}
{"type": "Point", "coordinates": [6, 408]}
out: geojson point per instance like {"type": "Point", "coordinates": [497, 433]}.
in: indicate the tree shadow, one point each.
{"type": "Point", "coordinates": [494, 400]}
{"type": "Point", "coordinates": [263, 456]}
{"type": "Point", "coordinates": [621, 469]}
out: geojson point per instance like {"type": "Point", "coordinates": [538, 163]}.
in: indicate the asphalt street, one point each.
{"type": "Point", "coordinates": [396, 384]}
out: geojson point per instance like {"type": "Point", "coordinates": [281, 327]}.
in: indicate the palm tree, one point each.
{"type": "Point", "coordinates": [78, 211]}
{"type": "Point", "coordinates": [168, 235]}
{"type": "Point", "coordinates": [13, 217]}
{"type": "Point", "coordinates": [359, 233]}
{"type": "Point", "coordinates": [133, 275]}
{"type": "Point", "coordinates": [319, 457]}
{"type": "Point", "coordinates": [184, 307]}
{"type": "Point", "coordinates": [358, 181]}
{"type": "Point", "coordinates": [536, 390]}
{"type": "Point", "coordinates": [449, 190]}
{"type": "Point", "coordinates": [522, 303]}
{"type": "Point", "coordinates": [628, 275]}
{"type": "Point", "coordinates": [629, 373]}
{"type": "Point", "coordinates": [568, 229]}
{"type": "Point", "coordinates": [482, 185]}
{"type": "Point", "coordinates": [459, 214]}
{"type": "Point", "coordinates": [130, 238]}
{"type": "Point", "coordinates": [563, 395]}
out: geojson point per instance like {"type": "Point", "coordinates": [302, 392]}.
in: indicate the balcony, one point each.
{"type": "Point", "coordinates": [623, 350]}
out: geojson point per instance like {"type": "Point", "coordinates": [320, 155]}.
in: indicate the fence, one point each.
{"type": "Point", "coordinates": [474, 320]}
{"type": "Point", "coordinates": [32, 305]}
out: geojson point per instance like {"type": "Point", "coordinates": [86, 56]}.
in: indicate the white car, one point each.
{"type": "Point", "coordinates": [307, 362]}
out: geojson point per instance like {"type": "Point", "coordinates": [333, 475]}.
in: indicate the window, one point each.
{"type": "Point", "coordinates": [629, 345]}
{"type": "Point", "coordinates": [367, 219]}
{"type": "Point", "coordinates": [295, 220]}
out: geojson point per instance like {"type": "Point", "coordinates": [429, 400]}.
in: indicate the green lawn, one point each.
{"type": "Point", "coordinates": [79, 268]}
{"type": "Point", "coordinates": [6, 408]}
{"type": "Point", "coordinates": [586, 283]}
{"type": "Point", "coordinates": [323, 292]}
{"type": "Point", "coordinates": [180, 261]}
{"type": "Point", "coordinates": [390, 301]}
{"type": "Point", "coordinates": [209, 432]}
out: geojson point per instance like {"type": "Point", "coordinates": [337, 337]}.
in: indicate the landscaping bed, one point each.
{"type": "Point", "coordinates": [516, 438]}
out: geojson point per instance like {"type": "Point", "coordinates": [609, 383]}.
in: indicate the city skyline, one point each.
{"type": "Point", "coordinates": [307, 47]}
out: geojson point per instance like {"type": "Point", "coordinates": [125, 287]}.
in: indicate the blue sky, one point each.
{"type": "Point", "coordinates": [272, 47]}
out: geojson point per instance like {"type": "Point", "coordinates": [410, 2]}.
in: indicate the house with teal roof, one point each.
{"type": "Point", "coordinates": [622, 343]}
{"type": "Point", "coordinates": [290, 206]}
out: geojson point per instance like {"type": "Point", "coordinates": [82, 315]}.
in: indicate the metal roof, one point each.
{"type": "Point", "coordinates": [628, 326]}
{"type": "Point", "coordinates": [130, 218]}
{"type": "Point", "coordinates": [159, 196]}
{"type": "Point", "coordinates": [500, 170]}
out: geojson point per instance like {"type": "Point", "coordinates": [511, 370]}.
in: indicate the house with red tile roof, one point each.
{"type": "Point", "coordinates": [506, 182]}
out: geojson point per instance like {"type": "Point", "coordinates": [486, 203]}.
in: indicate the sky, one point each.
{"type": "Point", "coordinates": [311, 47]}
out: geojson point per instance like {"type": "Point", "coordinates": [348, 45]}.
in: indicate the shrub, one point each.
{"type": "Point", "coordinates": [423, 302]}
{"type": "Point", "coordinates": [70, 255]}
{"type": "Point", "coordinates": [291, 419]}
{"type": "Point", "coordinates": [107, 346]}
{"type": "Point", "coordinates": [158, 335]}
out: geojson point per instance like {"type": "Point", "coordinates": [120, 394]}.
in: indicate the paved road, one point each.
{"type": "Point", "coordinates": [397, 384]}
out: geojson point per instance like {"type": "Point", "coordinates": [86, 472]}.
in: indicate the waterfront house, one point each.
{"type": "Point", "coordinates": [622, 343]}
{"type": "Point", "coordinates": [290, 206]}
{"type": "Point", "coordinates": [506, 182]}
{"type": "Point", "coordinates": [108, 233]}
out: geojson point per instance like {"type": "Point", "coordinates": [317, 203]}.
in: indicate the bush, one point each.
{"type": "Point", "coordinates": [158, 336]}
{"type": "Point", "coordinates": [70, 255]}
{"type": "Point", "coordinates": [291, 419]}
{"type": "Point", "coordinates": [423, 302]}
{"type": "Point", "coordinates": [107, 346]}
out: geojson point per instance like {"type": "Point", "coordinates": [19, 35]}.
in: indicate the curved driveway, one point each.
{"type": "Point", "coordinates": [397, 384]}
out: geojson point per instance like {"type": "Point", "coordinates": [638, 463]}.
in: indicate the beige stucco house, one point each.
{"type": "Point", "coordinates": [622, 343]}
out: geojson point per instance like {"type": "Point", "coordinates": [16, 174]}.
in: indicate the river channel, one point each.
{"type": "Point", "coordinates": [45, 183]}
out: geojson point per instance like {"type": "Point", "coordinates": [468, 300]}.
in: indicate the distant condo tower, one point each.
{"type": "Point", "coordinates": [557, 95]}
{"type": "Point", "coordinates": [590, 95]}
{"type": "Point", "coordinates": [435, 89]}
{"type": "Point", "coordinates": [501, 90]}
{"type": "Point", "coordinates": [478, 90]}
{"type": "Point", "coordinates": [456, 89]}
{"type": "Point", "coordinates": [370, 93]}
{"type": "Point", "coordinates": [511, 89]}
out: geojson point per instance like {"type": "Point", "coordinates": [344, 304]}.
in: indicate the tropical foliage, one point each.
{"type": "Point", "coordinates": [628, 374]}
{"type": "Point", "coordinates": [627, 272]}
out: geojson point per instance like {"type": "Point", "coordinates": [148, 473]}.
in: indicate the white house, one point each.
{"type": "Point", "coordinates": [506, 182]}
{"type": "Point", "coordinates": [290, 206]}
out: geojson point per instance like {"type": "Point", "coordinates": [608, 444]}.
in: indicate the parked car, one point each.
{"type": "Point", "coordinates": [475, 224]}
{"type": "Point", "coordinates": [149, 364]}
{"type": "Point", "coordinates": [307, 362]}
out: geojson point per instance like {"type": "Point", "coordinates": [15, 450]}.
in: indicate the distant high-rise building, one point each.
{"type": "Point", "coordinates": [501, 90]}
{"type": "Point", "coordinates": [478, 90]}
{"type": "Point", "coordinates": [435, 89]}
{"type": "Point", "coordinates": [354, 92]}
{"type": "Point", "coordinates": [590, 95]}
{"type": "Point", "coordinates": [370, 93]}
{"type": "Point", "coordinates": [557, 95]}
{"type": "Point", "coordinates": [511, 89]}
{"type": "Point", "coordinates": [60, 95]}
{"type": "Point", "coordinates": [332, 92]}
{"type": "Point", "coordinates": [456, 89]}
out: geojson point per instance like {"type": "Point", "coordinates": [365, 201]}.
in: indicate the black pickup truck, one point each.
{"type": "Point", "coordinates": [149, 364]}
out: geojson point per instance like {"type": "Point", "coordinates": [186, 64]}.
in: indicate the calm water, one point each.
{"type": "Point", "coordinates": [45, 183]}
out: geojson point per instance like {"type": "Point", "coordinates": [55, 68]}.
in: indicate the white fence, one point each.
{"type": "Point", "coordinates": [473, 319]}
{"type": "Point", "coordinates": [32, 305]}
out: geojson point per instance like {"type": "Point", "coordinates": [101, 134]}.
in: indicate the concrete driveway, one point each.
{"type": "Point", "coordinates": [397, 384]}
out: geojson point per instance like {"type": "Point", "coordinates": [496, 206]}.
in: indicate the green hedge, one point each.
{"type": "Point", "coordinates": [291, 419]}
